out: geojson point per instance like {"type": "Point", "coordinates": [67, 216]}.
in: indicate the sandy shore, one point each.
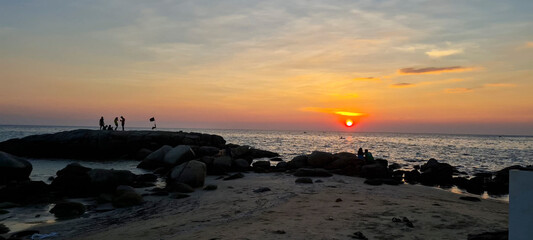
{"type": "Point", "coordinates": [332, 209]}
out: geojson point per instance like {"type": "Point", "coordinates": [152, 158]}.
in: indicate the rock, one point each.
{"type": "Point", "coordinates": [460, 182]}
{"type": "Point", "coordinates": [148, 177]}
{"type": "Point", "coordinates": [374, 170]}
{"type": "Point", "coordinates": [394, 166]}
{"type": "Point", "coordinates": [341, 160]}
{"type": "Point", "coordinates": [297, 162]}
{"type": "Point", "coordinates": [382, 162]}
{"type": "Point", "coordinates": [374, 181]}
{"type": "Point", "coordinates": [210, 187]}
{"type": "Point", "coordinates": [104, 180]}
{"type": "Point", "coordinates": [282, 165]}
{"type": "Point", "coordinates": [262, 189]}
{"type": "Point", "coordinates": [435, 173]}
{"type": "Point", "coordinates": [178, 155]}
{"type": "Point", "coordinates": [241, 164]}
{"type": "Point", "coordinates": [87, 144]}
{"type": "Point", "coordinates": [471, 199]}
{"type": "Point", "coordinates": [13, 168]}
{"type": "Point", "coordinates": [72, 181]}
{"type": "Point", "coordinates": [25, 192]}
{"type": "Point", "coordinates": [68, 209]}
{"type": "Point", "coordinates": [338, 200]}
{"type": "Point", "coordinates": [142, 153]}
{"type": "Point", "coordinates": [155, 159]}
{"type": "Point", "coordinates": [222, 164]}
{"type": "Point", "coordinates": [279, 232]}
{"type": "Point", "coordinates": [234, 176]}
{"type": "Point", "coordinates": [304, 180]}
{"type": "Point", "coordinates": [359, 235]}
{"type": "Point", "coordinates": [319, 159]}
{"type": "Point", "coordinates": [476, 185]}
{"type": "Point", "coordinates": [240, 151]}
{"type": "Point", "coordinates": [125, 196]}
{"type": "Point", "coordinates": [3, 229]}
{"type": "Point", "coordinates": [207, 151]}
{"type": "Point", "coordinates": [261, 165]}
{"type": "Point", "coordinates": [180, 187]}
{"type": "Point", "coordinates": [498, 235]}
{"type": "Point", "coordinates": [412, 177]}
{"type": "Point", "coordinates": [312, 172]}
{"type": "Point", "coordinates": [192, 173]}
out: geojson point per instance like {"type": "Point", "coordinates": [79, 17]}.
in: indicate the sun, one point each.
{"type": "Point", "coordinates": [349, 123]}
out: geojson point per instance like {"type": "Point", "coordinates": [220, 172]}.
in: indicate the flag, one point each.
{"type": "Point", "coordinates": [152, 119]}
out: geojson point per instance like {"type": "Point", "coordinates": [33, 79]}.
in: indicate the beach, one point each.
{"type": "Point", "coordinates": [333, 208]}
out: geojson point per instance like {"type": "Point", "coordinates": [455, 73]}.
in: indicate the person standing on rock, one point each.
{"type": "Point", "coordinates": [102, 125]}
{"type": "Point", "coordinates": [116, 123]}
{"type": "Point", "coordinates": [122, 121]}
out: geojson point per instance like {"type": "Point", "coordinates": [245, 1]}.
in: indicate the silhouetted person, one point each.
{"type": "Point", "coordinates": [122, 121]}
{"type": "Point", "coordinates": [110, 128]}
{"type": "Point", "coordinates": [102, 125]}
{"type": "Point", "coordinates": [368, 156]}
{"type": "Point", "coordinates": [152, 119]}
{"type": "Point", "coordinates": [360, 154]}
{"type": "Point", "coordinates": [116, 123]}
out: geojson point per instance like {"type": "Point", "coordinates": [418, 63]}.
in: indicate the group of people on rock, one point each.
{"type": "Point", "coordinates": [366, 155]}
{"type": "Point", "coordinates": [103, 126]}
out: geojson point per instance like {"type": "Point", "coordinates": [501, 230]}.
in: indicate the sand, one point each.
{"type": "Point", "coordinates": [333, 209]}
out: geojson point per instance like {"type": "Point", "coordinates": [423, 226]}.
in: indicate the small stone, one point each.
{"type": "Point", "coordinates": [338, 200]}
{"type": "Point", "coordinates": [179, 195]}
{"type": "Point", "coordinates": [210, 187]}
{"type": "Point", "coordinates": [234, 176]}
{"type": "Point", "coordinates": [471, 199]}
{"type": "Point", "coordinates": [359, 235]}
{"type": "Point", "coordinates": [260, 190]}
{"type": "Point", "coordinates": [279, 232]}
{"type": "Point", "coordinates": [304, 180]}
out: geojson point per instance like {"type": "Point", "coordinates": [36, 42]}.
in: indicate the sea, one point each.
{"type": "Point", "coordinates": [470, 154]}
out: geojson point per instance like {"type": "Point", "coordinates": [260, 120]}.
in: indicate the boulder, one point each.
{"type": "Point", "coordinates": [192, 173]}
{"type": "Point", "coordinates": [312, 172]}
{"type": "Point", "coordinates": [319, 159]}
{"type": "Point", "coordinates": [261, 164]}
{"type": "Point", "coordinates": [412, 177]}
{"type": "Point", "coordinates": [241, 164]}
{"type": "Point", "coordinates": [178, 155]}
{"type": "Point", "coordinates": [125, 196]}
{"type": "Point", "coordinates": [13, 168]}
{"type": "Point", "coordinates": [222, 164]}
{"type": "Point", "coordinates": [207, 151]}
{"type": "Point", "coordinates": [104, 180]}
{"type": "Point", "coordinates": [240, 151]}
{"type": "Point", "coordinates": [476, 185]}
{"type": "Point", "coordinates": [297, 162]}
{"type": "Point", "coordinates": [155, 159]}
{"type": "Point", "coordinates": [435, 173]}
{"type": "Point", "coordinates": [25, 192]}
{"type": "Point", "coordinates": [72, 181]}
{"type": "Point", "coordinates": [282, 165]}
{"type": "Point", "coordinates": [179, 187]}
{"type": "Point", "coordinates": [460, 182]}
{"type": "Point", "coordinates": [142, 153]}
{"type": "Point", "coordinates": [68, 209]}
{"type": "Point", "coordinates": [342, 160]}
{"type": "Point", "coordinates": [374, 170]}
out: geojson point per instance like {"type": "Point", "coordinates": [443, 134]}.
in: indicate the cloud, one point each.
{"type": "Point", "coordinates": [443, 53]}
{"type": "Point", "coordinates": [333, 111]}
{"type": "Point", "coordinates": [433, 70]}
{"type": "Point", "coordinates": [458, 90]}
{"type": "Point", "coordinates": [366, 79]}
{"type": "Point", "coordinates": [402, 85]}
{"type": "Point", "coordinates": [500, 85]}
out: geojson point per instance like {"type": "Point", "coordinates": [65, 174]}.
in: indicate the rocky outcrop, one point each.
{"type": "Point", "coordinates": [319, 159]}
{"type": "Point", "coordinates": [13, 168]}
{"type": "Point", "coordinates": [68, 209]}
{"type": "Point", "coordinates": [103, 145]}
{"type": "Point", "coordinates": [435, 173]}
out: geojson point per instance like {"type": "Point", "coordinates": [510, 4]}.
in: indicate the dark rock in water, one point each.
{"type": "Point", "coordinates": [192, 173]}
{"type": "Point", "coordinates": [304, 180]}
{"type": "Point", "coordinates": [210, 187]}
{"type": "Point", "coordinates": [23, 234]}
{"type": "Point", "coordinates": [260, 190]}
{"type": "Point", "coordinates": [435, 173]}
{"type": "Point", "coordinates": [374, 181]}
{"type": "Point", "coordinates": [68, 209]}
{"type": "Point", "coordinates": [125, 196]}
{"type": "Point", "coordinates": [13, 168]}
{"type": "Point", "coordinates": [312, 172]}
{"type": "Point", "coordinates": [178, 195]}
{"type": "Point", "coordinates": [180, 187]}
{"type": "Point", "coordinates": [412, 177]}
{"type": "Point", "coordinates": [499, 235]}
{"type": "Point", "coordinates": [375, 170]}
{"type": "Point", "coordinates": [297, 162]}
{"type": "Point", "coordinates": [25, 192]}
{"type": "Point", "coordinates": [319, 159]}
{"type": "Point", "coordinates": [102, 145]}
{"type": "Point", "coordinates": [234, 176]}
{"type": "Point", "coordinates": [471, 199]}
{"type": "Point", "coordinates": [3, 229]}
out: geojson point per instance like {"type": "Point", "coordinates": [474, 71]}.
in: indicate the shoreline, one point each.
{"type": "Point", "coordinates": [310, 211]}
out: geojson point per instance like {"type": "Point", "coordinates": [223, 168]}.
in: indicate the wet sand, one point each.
{"type": "Point", "coordinates": [335, 208]}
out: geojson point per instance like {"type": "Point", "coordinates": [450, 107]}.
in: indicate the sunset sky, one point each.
{"type": "Point", "coordinates": [390, 66]}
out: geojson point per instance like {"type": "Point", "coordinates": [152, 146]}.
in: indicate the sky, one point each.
{"type": "Point", "coordinates": [387, 65]}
